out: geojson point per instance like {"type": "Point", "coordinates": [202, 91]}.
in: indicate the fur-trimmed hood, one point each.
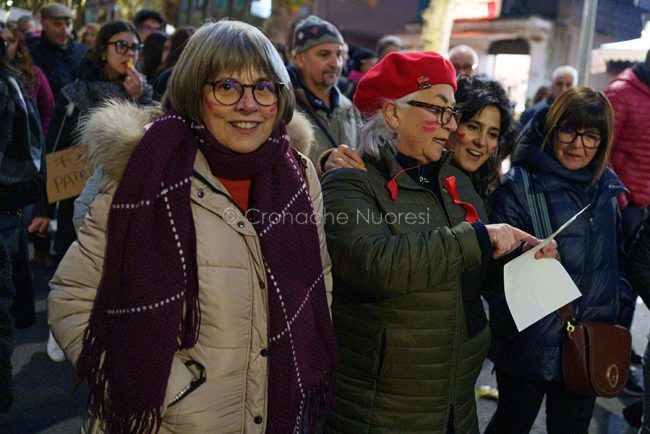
{"type": "Point", "coordinates": [113, 130]}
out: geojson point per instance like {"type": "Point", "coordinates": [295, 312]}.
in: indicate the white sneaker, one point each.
{"type": "Point", "coordinates": [54, 351]}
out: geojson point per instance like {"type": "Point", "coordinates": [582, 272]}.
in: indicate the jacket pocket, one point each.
{"type": "Point", "coordinates": [198, 378]}
{"type": "Point", "coordinates": [380, 354]}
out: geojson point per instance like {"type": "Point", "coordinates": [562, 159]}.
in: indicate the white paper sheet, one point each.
{"type": "Point", "coordinates": [536, 287]}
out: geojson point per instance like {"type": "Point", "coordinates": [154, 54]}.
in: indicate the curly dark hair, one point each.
{"type": "Point", "coordinates": [473, 95]}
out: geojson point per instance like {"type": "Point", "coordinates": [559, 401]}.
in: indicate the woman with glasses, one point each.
{"type": "Point", "coordinates": [196, 298]}
{"type": "Point", "coordinates": [405, 236]}
{"type": "Point", "coordinates": [565, 152]}
{"type": "Point", "coordinates": [107, 72]}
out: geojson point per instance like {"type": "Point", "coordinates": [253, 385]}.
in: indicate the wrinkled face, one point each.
{"type": "Point", "coordinates": [320, 66]}
{"type": "Point", "coordinates": [561, 84]}
{"type": "Point", "coordinates": [569, 148]}
{"type": "Point", "coordinates": [244, 126]}
{"type": "Point", "coordinates": [57, 30]}
{"type": "Point", "coordinates": [476, 139]}
{"type": "Point", "coordinates": [464, 64]}
{"type": "Point", "coordinates": [147, 27]}
{"type": "Point", "coordinates": [117, 63]}
{"type": "Point", "coordinates": [12, 43]}
{"type": "Point", "coordinates": [420, 133]}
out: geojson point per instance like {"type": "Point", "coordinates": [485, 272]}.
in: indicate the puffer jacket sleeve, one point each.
{"type": "Point", "coordinates": [317, 203]}
{"type": "Point", "coordinates": [638, 264]}
{"type": "Point", "coordinates": [379, 264]}
{"type": "Point", "coordinates": [74, 285]}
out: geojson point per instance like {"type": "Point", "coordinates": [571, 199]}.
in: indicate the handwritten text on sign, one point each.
{"type": "Point", "coordinates": [67, 172]}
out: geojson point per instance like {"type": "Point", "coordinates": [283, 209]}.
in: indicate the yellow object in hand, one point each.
{"type": "Point", "coordinates": [129, 64]}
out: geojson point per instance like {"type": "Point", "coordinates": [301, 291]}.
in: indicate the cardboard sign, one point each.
{"type": "Point", "coordinates": [67, 172]}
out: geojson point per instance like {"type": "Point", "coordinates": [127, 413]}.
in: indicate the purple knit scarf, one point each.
{"type": "Point", "coordinates": [150, 277]}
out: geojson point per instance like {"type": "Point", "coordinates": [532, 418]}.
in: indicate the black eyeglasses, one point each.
{"type": "Point", "coordinates": [446, 114]}
{"type": "Point", "coordinates": [229, 91]}
{"type": "Point", "coordinates": [566, 135]}
{"type": "Point", "coordinates": [122, 46]}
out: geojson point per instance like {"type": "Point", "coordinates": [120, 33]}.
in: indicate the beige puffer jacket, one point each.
{"type": "Point", "coordinates": [232, 286]}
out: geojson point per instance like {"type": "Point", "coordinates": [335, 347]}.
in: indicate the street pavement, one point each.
{"type": "Point", "coordinates": [48, 398]}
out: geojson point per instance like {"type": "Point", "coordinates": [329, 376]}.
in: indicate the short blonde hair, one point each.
{"type": "Point", "coordinates": [225, 46]}
{"type": "Point", "coordinates": [583, 107]}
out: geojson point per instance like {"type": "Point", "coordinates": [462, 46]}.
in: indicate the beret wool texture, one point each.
{"type": "Point", "coordinates": [399, 74]}
{"type": "Point", "coordinates": [314, 31]}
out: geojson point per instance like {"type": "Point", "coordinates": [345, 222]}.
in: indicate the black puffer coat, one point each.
{"type": "Point", "coordinates": [589, 251]}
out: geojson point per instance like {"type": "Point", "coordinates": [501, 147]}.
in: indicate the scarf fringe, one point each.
{"type": "Point", "coordinates": [192, 318]}
{"type": "Point", "coordinates": [320, 400]}
{"type": "Point", "coordinates": [91, 367]}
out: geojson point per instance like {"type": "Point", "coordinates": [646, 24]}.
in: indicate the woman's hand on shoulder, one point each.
{"type": "Point", "coordinates": [344, 157]}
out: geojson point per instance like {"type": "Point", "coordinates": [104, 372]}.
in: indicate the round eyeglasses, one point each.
{"type": "Point", "coordinates": [446, 114]}
{"type": "Point", "coordinates": [122, 46]}
{"type": "Point", "coordinates": [229, 91]}
{"type": "Point", "coordinates": [567, 135]}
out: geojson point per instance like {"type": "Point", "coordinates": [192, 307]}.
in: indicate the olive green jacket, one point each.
{"type": "Point", "coordinates": [405, 359]}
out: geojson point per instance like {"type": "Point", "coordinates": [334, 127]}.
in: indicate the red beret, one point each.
{"type": "Point", "coordinates": [401, 73]}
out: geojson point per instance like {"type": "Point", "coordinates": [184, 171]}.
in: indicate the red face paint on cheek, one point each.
{"type": "Point", "coordinates": [273, 108]}
{"type": "Point", "coordinates": [461, 136]}
{"type": "Point", "coordinates": [493, 148]}
{"type": "Point", "coordinates": [430, 126]}
{"type": "Point", "coordinates": [207, 103]}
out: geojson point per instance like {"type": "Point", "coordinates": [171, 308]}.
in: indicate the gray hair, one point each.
{"type": "Point", "coordinates": [387, 40]}
{"type": "Point", "coordinates": [225, 46]}
{"type": "Point", "coordinates": [376, 133]}
{"type": "Point", "coordinates": [464, 49]}
{"type": "Point", "coordinates": [566, 69]}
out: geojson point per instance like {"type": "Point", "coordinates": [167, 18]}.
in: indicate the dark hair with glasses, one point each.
{"type": "Point", "coordinates": [22, 59]}
{"type": "Point", "coordinates": [95, 62]}
{"type": "Point", "coordinates": [444, 113]}
{"type": "Point", "coordinates": [582, 108]}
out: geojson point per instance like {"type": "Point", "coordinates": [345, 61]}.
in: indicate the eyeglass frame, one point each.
{"type": "Point", "coordinates": [556, 127]}
{"type": "Point", "coordinates": [278, 87]}
{"type": "Point", "coordinates": [135, 47]}
{"type": "Point", "coordinates": [441, 110]}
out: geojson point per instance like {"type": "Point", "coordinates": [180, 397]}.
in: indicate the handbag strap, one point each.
{"type": "Point", "coordinates": [542, 227]}
{"type": "Point", "coordinates": [537, 207]}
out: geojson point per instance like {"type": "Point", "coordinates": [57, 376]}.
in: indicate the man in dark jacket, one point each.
{"type": "Point", "coordinates": [56, 53]}
{"type": "Point", "coordinates": [318, 62]}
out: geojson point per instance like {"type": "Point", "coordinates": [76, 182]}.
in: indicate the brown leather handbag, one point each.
{"type": "Point", "coordinates": [595, 356]}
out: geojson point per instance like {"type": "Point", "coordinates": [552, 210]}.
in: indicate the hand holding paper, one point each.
{"type": "Point", "coordinates": [536, 287]}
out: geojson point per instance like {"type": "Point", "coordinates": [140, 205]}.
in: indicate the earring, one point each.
{"type": "Point", "coordinates": [103, 58]}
